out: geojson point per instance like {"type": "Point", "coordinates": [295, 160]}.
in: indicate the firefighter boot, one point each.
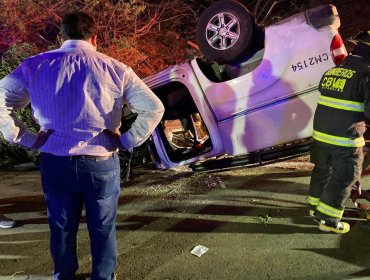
{"type": "Point", "coordinates": [340, 227]}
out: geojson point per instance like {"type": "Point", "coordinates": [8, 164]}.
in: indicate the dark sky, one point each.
{"type": "Point", "coordinates": [354, 15]}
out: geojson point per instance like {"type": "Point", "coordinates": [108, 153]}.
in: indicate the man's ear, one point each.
{"type": "Point", "coordinates": [94, 41]}
{"type": "Point", "coordinates": [60, 39]}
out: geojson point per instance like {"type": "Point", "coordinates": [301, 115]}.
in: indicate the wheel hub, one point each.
{"type": "Point", "coordinates": [223, 30]}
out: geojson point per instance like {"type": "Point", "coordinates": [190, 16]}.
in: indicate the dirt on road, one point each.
{"type": "Point", "coordinates": [253, 221]}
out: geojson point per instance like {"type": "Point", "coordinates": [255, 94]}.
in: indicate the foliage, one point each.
{"type": "Point", "coordinates": [131, 31]}
{"type": "Point", "coordinates": [14, 56]}
{"type": "Point", "coordinates": [125, 32]}
{"type": "Point", "coordinates": [9, 153]}
{"type": "Point", "coordinates": [146, 35]}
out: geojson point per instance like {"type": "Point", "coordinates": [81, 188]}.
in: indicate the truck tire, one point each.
{"type": "Point", "coordinates": [225, 32]}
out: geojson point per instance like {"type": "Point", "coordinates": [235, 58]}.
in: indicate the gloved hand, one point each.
{"type": "Point", "coordinates": [42, 137]}
{"type": "Point", "coordinates": [356, 193]}
{"type": "Point", "coordinates": [114, 139]}
{"type": "Point", "coordinates": [356, 130]}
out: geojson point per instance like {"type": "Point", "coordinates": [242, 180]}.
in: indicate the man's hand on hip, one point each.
{"type": "Point", "coordinates": [42, 138]}
{"type": "Point", "coordinates": [114, 139]}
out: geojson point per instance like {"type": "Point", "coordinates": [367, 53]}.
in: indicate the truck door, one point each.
{"type": "Point", "coordinates": [188, 131]}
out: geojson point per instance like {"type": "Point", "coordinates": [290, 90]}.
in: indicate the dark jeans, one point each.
{"type": "Point", "coordinates": [336, 170]}
{"type": "Point", "coordinates": [68, 184]}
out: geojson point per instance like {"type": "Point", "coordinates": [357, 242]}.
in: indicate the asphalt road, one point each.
{"type": "Point", "coordinates": [253, 221]}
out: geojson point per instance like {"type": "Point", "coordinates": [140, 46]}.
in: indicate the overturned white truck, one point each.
{"type": "Point", "coordinates": [230, 113]}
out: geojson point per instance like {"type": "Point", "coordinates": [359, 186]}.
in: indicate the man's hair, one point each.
{"type": "Point", "coordinates": [78, 26]}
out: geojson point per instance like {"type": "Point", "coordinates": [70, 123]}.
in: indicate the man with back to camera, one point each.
{"type": "Point", "coordinates": [339, 125]}
{"type": "Point", "coordinates": [77, 95]}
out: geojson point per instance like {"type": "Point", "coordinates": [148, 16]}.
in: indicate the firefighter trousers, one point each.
{"type": "Point", "coordinates": [336, 170]}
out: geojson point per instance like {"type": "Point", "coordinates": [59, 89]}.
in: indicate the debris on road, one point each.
{"type": "Point", "coordinates": [199, 250]}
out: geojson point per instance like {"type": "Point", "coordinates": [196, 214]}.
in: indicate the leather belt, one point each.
{"type": "Point", "coordinates": [97, 158]}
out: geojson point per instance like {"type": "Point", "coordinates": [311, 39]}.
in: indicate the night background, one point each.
{"type": "Point", "coordinates": [146, 35]}
{"type": "Point", "coordinates": [253, 220]}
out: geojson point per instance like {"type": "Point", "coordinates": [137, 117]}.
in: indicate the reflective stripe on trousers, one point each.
{"type": "Point", "coordinates": [324, 208]}
{"type": "Point", "coordinates": [329, 211]}
{"type": "Point", "coordinates": [335, 171]}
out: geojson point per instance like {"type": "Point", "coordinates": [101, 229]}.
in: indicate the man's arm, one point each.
{"type": "Point", "coordinates": [141, 100]}
{"type": "Point", "coordinates": [13, 96]}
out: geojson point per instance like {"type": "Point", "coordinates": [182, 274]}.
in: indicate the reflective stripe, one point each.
{"type": "Point", "coordinates": [313, 200]}
{"type": "Point", "coordinates": [338, 141]}
{"type": "Point", "coordinates": [341, 104]}
{"type": "Point", "coordinates": [329, 211]}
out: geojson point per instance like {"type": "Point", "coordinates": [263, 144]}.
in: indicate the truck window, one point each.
{"type": "Point", "coordinates": [218, 73]}
{"type": "Point", "coordinates": [182, 128]}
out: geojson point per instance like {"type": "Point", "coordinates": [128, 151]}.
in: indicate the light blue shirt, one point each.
{"type": "Point", "coordinates": [78, 92]}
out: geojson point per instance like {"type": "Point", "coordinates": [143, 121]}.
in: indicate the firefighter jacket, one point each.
{"type": "Point", "coordinates": [344, 101]}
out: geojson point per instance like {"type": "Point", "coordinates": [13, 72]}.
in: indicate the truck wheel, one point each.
{"type": "Point", "coordinates": [225, 32]}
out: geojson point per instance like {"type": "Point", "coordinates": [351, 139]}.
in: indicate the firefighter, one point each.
{"type": "Point", "coordinates": [338, 136]}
